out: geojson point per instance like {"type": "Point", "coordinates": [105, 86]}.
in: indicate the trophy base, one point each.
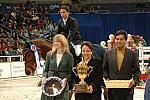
{"type": "Point", "coordinates": [81, 88]}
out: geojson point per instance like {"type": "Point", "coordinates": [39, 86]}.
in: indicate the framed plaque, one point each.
{"type": "Point", "coordinates": [117, 83]}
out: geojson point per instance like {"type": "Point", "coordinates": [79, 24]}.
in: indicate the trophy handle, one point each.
{"type": "Point", "coordinates": [73, 69]}
{"type": "Point", "coordinates": [90, 67]}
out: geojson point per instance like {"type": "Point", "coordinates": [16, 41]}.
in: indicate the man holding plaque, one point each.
{"type": "Point", "coordinates": [88, 79]}
{"type": "Point", "coordinates": [122, 64]}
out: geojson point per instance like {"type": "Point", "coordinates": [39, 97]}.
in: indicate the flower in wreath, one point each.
{"type": "Point", "coordinates": [138, 40]}
{"type": "Point", "coordinates": [111, 37]}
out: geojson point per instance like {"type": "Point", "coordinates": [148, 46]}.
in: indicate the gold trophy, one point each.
{"type": "Point", "coordinates": [82, 70]}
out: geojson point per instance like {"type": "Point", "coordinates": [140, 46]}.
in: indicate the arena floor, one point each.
{"type": "Point", "coordinates": [25, 88]}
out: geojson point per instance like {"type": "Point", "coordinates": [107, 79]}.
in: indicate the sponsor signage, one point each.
{"type": "Point", "coordinates": [18, 69]}
{"type": "Point", "coordinates": [5, 71]}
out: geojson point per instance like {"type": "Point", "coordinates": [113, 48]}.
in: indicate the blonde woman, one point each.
{"type": "Point", "coordinates": [59, 63]}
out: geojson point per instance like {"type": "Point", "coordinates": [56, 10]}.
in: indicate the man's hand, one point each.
{"type": "Point", "coordinates": [104, 78]}
{"type": "Point", "coordinates": [132, 83]}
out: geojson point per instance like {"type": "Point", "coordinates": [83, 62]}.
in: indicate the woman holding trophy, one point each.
{"type": "Point", "coordinates": [88, 80]}
{"type": "Point", "coordinates": [58, 65]}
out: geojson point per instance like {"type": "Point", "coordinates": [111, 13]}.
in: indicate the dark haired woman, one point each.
{"type": "Point", "coordinates": [94, 80]}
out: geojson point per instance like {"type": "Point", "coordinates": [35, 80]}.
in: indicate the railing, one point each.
{"type": "Point", "coordinates": [144, 55]}
{"type": "Point", "coordinates": [11, 58]}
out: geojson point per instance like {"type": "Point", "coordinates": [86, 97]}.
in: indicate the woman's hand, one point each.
{"type": "Point", "coordinates": [65, 80]}
{"type": "Point", "coordinates": [90, 89]}
{"type": "Point", "coordinates": [43, 79]}
{"type": "Point", "coordinates": [74, 89]}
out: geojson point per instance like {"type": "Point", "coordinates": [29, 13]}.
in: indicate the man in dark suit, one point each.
{"type": "Point", "coordinates": [68, 26]}
{"type": "Point", "coordinates": [121, 63]}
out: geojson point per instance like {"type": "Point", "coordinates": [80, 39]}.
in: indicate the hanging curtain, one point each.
{"type": "Point", "coordinates": [97, 27]}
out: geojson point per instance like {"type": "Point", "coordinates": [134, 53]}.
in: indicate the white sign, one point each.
{"type": "Point", "coordinates": [5, 70]}
{"type": "Point", "coordinates": [18, 69]}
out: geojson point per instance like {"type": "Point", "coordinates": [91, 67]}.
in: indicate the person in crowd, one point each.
{"type": "Point", "coordinates": [94, 80]}
{"type": "Point", "coordinates": [121, 63]}
{"type": "Point", "coordinates": [147, 86]}
{"type": "Point", "coordinates": [59, 63]}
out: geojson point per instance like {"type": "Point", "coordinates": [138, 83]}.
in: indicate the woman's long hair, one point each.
{"type": "Point", "coordinates": [61, 38]}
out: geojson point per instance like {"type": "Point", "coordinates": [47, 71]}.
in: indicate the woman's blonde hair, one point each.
{"type": "Point", "coordinates": [61, 38]}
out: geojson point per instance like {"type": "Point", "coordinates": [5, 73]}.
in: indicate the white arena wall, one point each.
{"type": "Point", "coordinates": [11, 69]}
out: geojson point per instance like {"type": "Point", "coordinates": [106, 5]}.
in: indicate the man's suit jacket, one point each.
{"type": "Point", "coordinates": [129, 68]}
{"type": "Point", "coordinates": [70, 30]}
